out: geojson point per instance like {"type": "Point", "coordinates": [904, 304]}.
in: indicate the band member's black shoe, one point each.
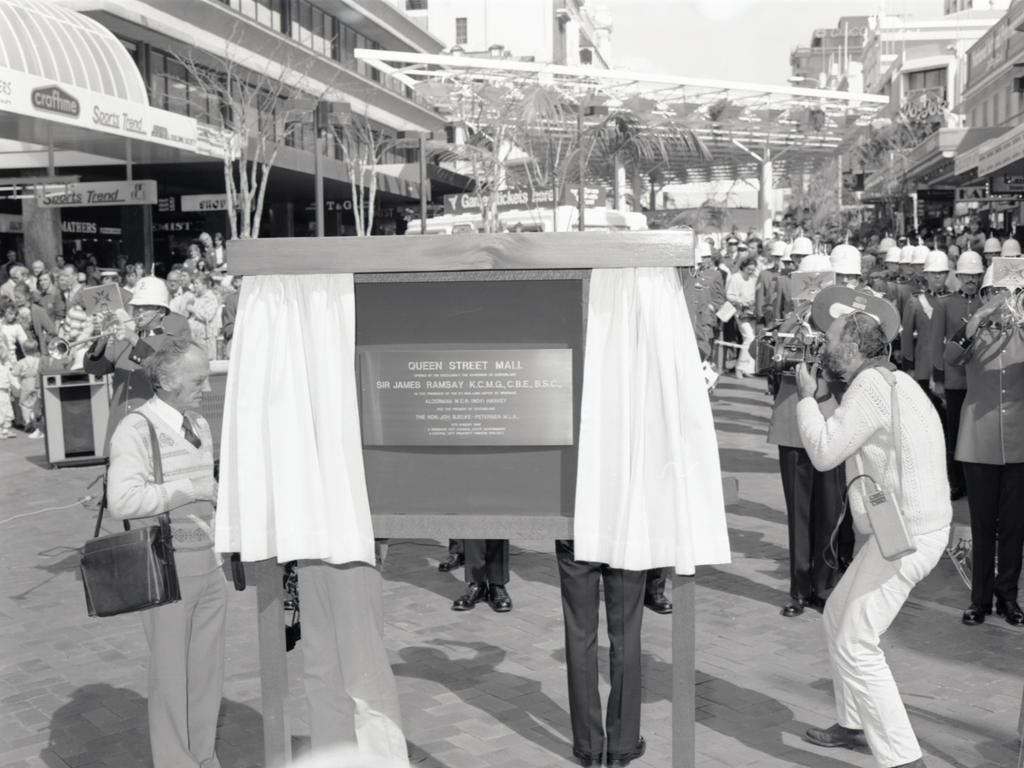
{"type": "Point", "coordinates": [497, 597]}
{"type": "Point", "coordinates": [626, 759]}
{"type": "Point", "coordinates": [837, 735]}
{"type": "Point", "coordinates": [1011, 612]}
{"type": "Point", "coordinates": [475, 592]}
{"type": "Point", "coordinates": [451, 563]}
{"type": "Point", "coordinates": [956, 493]}
{"type": "Point", "coordinates": [975, 614]}
{"type": "Point", "coordinates": [658, 603]}
{"type": "Point", "coordinates": [586, 760]}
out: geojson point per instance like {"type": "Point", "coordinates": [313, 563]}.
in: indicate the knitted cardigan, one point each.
{"type": "Point", "coordinates": [862, 425]}
{"type": "Point", "coordinates": [131, 491]}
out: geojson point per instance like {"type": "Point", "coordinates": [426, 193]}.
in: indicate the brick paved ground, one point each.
{"type": "Point", "coordinates": [481, 689]}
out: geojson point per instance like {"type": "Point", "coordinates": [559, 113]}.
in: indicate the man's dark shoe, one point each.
{"type": "Point", "coordinates": [451, 563]}
{"type": "Point", "coordinates": [658, 603]}
{"type": "Point", "coordinates": [837, 736]}
{"type": "Point", "coordinates": [1011, 612]}
{"type": "Point", "coordinates": [626, 759]}
{"type": "Point", "coordinates": [498, 598]}
{"type": "Point", "coordinates": [475, 592]}
{"type": "Point", "coordinates": [586, 760]}
{"type": "Point", "coordinates": [975, 615]}
{"type": "Point", "coordinates": [817, 604]}
{"type": "Point", "coordinates": [954, 495]}
{"type": "Point", "coordinates": [794, 607]}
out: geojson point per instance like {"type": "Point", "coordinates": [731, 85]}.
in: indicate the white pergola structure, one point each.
{"type": "Point", "coordinates": [749, 130]}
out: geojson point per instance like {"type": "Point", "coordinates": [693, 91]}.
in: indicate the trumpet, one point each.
{"type": "Point", "coordinates": [63, 349]}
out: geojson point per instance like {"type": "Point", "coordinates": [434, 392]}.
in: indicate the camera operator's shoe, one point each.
{"type": "Point", "coordinates": [837, 736]}
{"type": "Point", "coordinates": [794, 607]}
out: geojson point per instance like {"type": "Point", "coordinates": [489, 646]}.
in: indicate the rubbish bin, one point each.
{"type": "Point", "coordinates": [76, 407]}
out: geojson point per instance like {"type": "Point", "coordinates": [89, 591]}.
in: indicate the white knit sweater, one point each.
{"type": "Point", "coordinates": [862, 424]}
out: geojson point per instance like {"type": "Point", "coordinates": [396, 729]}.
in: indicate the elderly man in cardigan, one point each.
{"type": "Point", "coordinates": [861, 432]}
{"type": "Point", "coordinates": [186, 638]}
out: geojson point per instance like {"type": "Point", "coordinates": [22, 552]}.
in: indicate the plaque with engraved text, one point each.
{"type": "Point", "coordinates": [444, 396]}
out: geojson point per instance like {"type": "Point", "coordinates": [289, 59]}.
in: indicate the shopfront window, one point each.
{"type": "Point", "coordinates": [269, 13]}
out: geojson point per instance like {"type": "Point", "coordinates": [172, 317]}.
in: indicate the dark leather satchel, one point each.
{"type": "Point", "coordinates": [133, 570]}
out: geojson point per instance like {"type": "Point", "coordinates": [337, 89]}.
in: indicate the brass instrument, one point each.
{"type": "Point", "coordinates": [63, 348]}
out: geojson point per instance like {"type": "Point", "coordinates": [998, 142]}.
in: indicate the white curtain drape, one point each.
{"type": "Point", "coordinates": [648, 482]}
{"type": "Point", "coordinates": [292, 484]}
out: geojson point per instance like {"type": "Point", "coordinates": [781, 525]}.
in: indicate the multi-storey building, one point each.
{"type": "Point", "coordinates": [569, 32]}
{"type": "Point", "coordinates": [151, 38]}
{"type": "Point", "coordinates": [827, 60]}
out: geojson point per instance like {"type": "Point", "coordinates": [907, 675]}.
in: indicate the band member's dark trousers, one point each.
{"type": "Point", "coordinates": [486, 560]}
{"type": "Point", "coordinates": [624, 606]}
{"type": "Point", "coordinates": [954, 405]}
{"type": "Point", "coordinates": [454, 546]}
{"type": "Point", "coordinates": [656, 578]}
{"type": "Point", "coordinates": [814, 504]}
{"type": "Point", "coordinates": [994, 496]}
{"type": "Point", "coordinates": [937, 402]}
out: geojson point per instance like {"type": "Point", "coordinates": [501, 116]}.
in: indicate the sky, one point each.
{"type": "Point", "coordinates": [739, 40]}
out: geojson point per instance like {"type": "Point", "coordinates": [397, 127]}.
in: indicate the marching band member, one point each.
{"type": "Point", "coordinates": [154, 324]}
{"type": "Point", "coordinates": [917, 320]}
{"type": "Point", "coordinates": [991, 446]}
{"type": "Point", "coordinates": [814, 500]}
{"type": "Point", "coordinates": [950, 381]}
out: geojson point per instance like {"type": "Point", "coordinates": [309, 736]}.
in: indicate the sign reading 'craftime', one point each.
{"type": "Point", "coordinates": [53, 99]}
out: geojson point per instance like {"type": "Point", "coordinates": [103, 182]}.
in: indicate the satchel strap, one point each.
{"type": "Point", "coordinates": [158, 477]}
{"type": "Point", "coordinates": [896, 459]}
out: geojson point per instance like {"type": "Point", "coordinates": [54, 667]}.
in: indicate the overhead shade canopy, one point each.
{"type": "Point", "coordinates": [737, 123]}
{"type": "Point", "coordinates": [66, 81]}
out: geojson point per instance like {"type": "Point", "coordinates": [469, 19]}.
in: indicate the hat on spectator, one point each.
{"type": "Point", "coordinates": [731, 240]}
{"type": "Point", "coordinates": [936, 261]}
{"type": "Point", "coordinates": [970, 263]}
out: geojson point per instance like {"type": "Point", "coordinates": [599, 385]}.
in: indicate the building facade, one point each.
{"type": "Point", "coordinates": [570, 32]}
{"type": "Point", "coordinates": [826, 61]}
{"type": "Point", "coordinates": [169, 42]}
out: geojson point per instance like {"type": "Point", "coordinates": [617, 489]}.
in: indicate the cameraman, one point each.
{"type": "Point", "coordinates": [873, 589]}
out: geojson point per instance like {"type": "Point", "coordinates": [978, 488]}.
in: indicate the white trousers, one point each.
{"type": "Point", "coordinates": [859, 610]}
{"type": "Point", "coordinates": [745, 361]}
{"type": "Point", "coordinates": [348, 679]}
{"type": "Point", "coordinates": [186, 672]}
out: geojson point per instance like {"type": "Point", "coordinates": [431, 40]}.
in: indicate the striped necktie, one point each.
{"type": "Point", "coordinates": [190, 435]}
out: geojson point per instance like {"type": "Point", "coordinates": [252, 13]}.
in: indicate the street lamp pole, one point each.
{"type": "Point", "coordinates": [319, 123]}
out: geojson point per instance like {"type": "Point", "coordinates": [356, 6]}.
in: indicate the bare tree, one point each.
{"type": "Point", "coordinates": [249, 99]}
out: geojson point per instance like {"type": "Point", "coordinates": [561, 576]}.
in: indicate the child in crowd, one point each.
{"type": "Point", "coordinates": [8, 387]}
{"type": "Point", "coordinates": [26, 371]}
{"type": "Point", "coordinates": [13, 334]}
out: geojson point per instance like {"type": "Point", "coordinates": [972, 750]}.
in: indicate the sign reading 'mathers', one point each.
{"type": "Point", "coordinates": [93, 193]}
{"type": "Point", "coordinates": [451, 397]}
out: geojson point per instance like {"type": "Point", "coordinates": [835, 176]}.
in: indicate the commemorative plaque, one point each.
{"type": "Point", "coordinates": [435, 396]}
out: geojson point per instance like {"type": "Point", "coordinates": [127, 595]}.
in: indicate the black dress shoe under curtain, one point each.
{"type": "Point", "coordinates": [475, 592]}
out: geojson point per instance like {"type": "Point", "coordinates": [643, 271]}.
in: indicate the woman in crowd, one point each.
{"type": "Point", "coordinates": [740, 291]}
{"type": "Point", "coordinates": [204, 314]}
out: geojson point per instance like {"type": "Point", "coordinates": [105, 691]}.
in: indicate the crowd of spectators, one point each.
{"type": "Point", "coordinates": [41, 302]}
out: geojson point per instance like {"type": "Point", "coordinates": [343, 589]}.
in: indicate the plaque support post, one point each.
{"type": "Point", "coordinates": [684, 660]}
{"type": "Point", "coordinates": [277, 745]}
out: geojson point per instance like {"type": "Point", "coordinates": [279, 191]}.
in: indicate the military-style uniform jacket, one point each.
{"type": "Point", "coordinates": [992, 421]}
{"type": "Point", "coordinates": [915, 338]}
{"type": "Point", "coordinates": [131, 387]}
{"type": "Point", "coordinates": [956, 310]}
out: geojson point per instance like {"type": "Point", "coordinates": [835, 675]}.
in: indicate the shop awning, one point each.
{"type": "Point", "coordinates": [934, 161]}
{"type": "Point", "coordinates": [68, 82]}
{"type": "Point", "coordinates": [1001, 152]}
